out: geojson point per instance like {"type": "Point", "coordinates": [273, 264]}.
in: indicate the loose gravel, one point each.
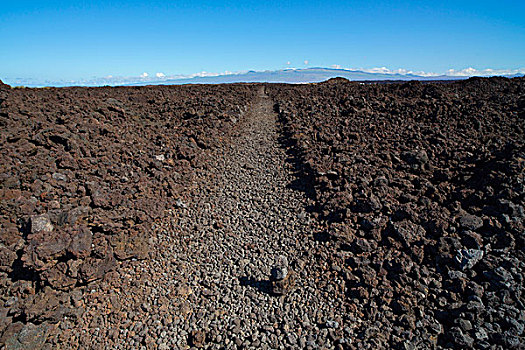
{"type": "Point", "coordinates": [208, 284]}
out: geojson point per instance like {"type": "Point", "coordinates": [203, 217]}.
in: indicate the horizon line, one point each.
{"type": "Point", "coordinates": [159, 78]}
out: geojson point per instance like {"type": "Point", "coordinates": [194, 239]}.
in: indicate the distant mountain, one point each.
{"type": "Point", "coordinates": [307, 75]}
{"type": "Point", "coordinates": [293, 76]}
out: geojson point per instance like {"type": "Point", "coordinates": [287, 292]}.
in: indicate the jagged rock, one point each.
{"type": "Point", "coordinates": [7, 257]}
{"type": "Point", "coordinates": [94, 269]}
{"type": "Point", "coordinates": [282, 277]}
{"type": "Point", "coordinates": [180, 203]}
{"type": "Point", "coordinates": [408, 231]}
{"type": "Point", "coordinates": [44, 248]}
{"type": "Point", "coordinates": [467, 258]}
{"type": "Point", "coordinates": [49, 305]}
{"type": "Point", "coordinates": [332, 324]}
{"type": "Point", "coordinates": [60, 276]}
{"type": "Point", "coordinates": [282, 287]}
{"type": "Point", "coordinates": [472, 240]}
{"type": "Point", "coordinates": [470, 222]}
{"type": "Point", "coordinates": [25, 336]}
{"type": "Point", "coordinates": [279, 272]}
{"type": "Point", "coordinates": [416, 158]}
{"type": "Point", "coordinates": [86, 175]}
{"type": "Point", "coordinates": [127, 245]}
{"type": "Point", "coordinates": [4, 91]}
{"type": "Point", "coordinates": [445, 195]}
{"type": "Point", "coordinates": [459, 338]}
{"type": "Point", "coordinates": [41, 223]}
{"type": "Point", "coordinates": [81, 240]}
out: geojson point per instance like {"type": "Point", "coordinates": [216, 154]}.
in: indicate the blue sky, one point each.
{"type": "Point", "coordinates": [68, 40]}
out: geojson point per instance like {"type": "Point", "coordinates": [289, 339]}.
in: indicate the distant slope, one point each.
{"type": "Point", "coordinates": [297, 76]}
{"type": "Point", "coordinates": [308, 75]}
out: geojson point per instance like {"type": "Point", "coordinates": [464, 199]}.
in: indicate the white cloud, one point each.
{"type": "Point", "coordinates": [383, 70]}
{"type": "Point", "coordinates": [402, 71]}
{"type": "Point", "coordinates": [469, 72]}
{"type": "Point", "coordinates": [121, 80]}
{"type": "Point", "coordinates": [466, 72]}
{"type": "Point", "coordinates": [203, 74]}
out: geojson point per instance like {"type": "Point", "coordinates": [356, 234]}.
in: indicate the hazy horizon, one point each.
{"type": "Point", "coordinates": [287, 75]}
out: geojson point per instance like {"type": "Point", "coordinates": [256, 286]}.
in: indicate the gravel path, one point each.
{"type": "Point", "coordinates": [208, 284]}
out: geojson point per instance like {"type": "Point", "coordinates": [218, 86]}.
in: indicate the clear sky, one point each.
{"type": "Point", "coordinates": [82, 39]}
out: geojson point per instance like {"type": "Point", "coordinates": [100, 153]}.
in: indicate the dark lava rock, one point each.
{"type": "Point", "coordinates": [442, 163]}
{"type": "Point", "coordinates": [391, 168]}
{"type": "Point", "coordinates": [467, 258]}
{"type": "Point", "coordinates": [7, 257]}
{"type": "Point", "coordinates": [282, 278]}
{"type": "Point", "coordinates": [130, 245]}
{"type": "Point", "coordinates": [25, 336]}
{"type": "Point", "coordinates": [408, 232]}
{"type": "Point", "coordinates": [87, 172]}
{"type": "Point", "coordinates": [279, 272]}
{"type": "Point", "coordinates": [459, 338]}
{"type": "Point", "coordinates": [282, 287]}
{"type": "Point", "coordinates": [470, 222]}
{"type": "Point", "coordinates": [4, 91]}
{"type": "Point", "coordinates": [416, 158]}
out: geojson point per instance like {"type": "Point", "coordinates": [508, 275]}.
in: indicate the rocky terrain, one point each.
{"type": "Point", "coordinates": [332, 215]}
{"type": "Point", "coordinates": [424, 185]}
{"type": "Point", "coordinates": [85, 175]}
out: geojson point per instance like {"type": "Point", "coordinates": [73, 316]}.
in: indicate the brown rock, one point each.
{"type": "Point", "coordinates": [44, 248]}
{"type": "Point", "coordinates": [282, 287]}
{"type": "Point", "coordinates": [41, 223]}
{"type": "Point", "coordinates": [7, 257]}
{"type": "Point", "coordinates": [129, 245]}
{"type": "Point", "coordinates": [198, 338]}
{"type": "Point", "coordinates": [81, 240]}
{"type": "Point", "coordinates": [28, 336]}
{"type": "Point", "coordinates": [470, 222]}
{"type": "Point", "coordinates": [94, 269]}
{"type": "Point", "coordinates": [50, 305]}
{"type": "Point", "coordinates": [59, 276]}
{"type": "Point", "coordinates": [408, 232]}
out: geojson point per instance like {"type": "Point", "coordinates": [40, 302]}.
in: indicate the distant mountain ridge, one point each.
{"type": "Point", "coordinates": [296, 76]}
{"type": "Point", "coordinates": [290, 75]}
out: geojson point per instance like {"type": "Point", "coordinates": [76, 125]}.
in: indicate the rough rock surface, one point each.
{"type": "Point", "coordinates": [333, 215]}
{"type": "Point", "coordinates": [208, 284]}
{"type": "Point", "coordinates": [85, 173]}
{"type": "Point", "coordinates": [424, 184]}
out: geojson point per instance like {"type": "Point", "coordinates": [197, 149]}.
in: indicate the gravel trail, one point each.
{"type": "Point", "coordinates": [208, 284]}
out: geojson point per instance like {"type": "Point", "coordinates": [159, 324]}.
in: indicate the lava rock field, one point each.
{"type": "Point", "coordinates": [418, 186]}
{"type": "Point", "coordinates": [424, 184]}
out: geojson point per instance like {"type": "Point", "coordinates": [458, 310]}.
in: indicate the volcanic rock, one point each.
{"type": "Point", "coordinates": [470, 222]}
{"type": "Point", "coordinates": [41, 223]}
{"type": "Point", "coordinates": [467, 258]}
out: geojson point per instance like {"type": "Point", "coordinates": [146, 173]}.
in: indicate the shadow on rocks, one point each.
{"type": "Point", "coordinates": [303, 173]}
{"type": "Point", "coordinates": [263, 286]}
